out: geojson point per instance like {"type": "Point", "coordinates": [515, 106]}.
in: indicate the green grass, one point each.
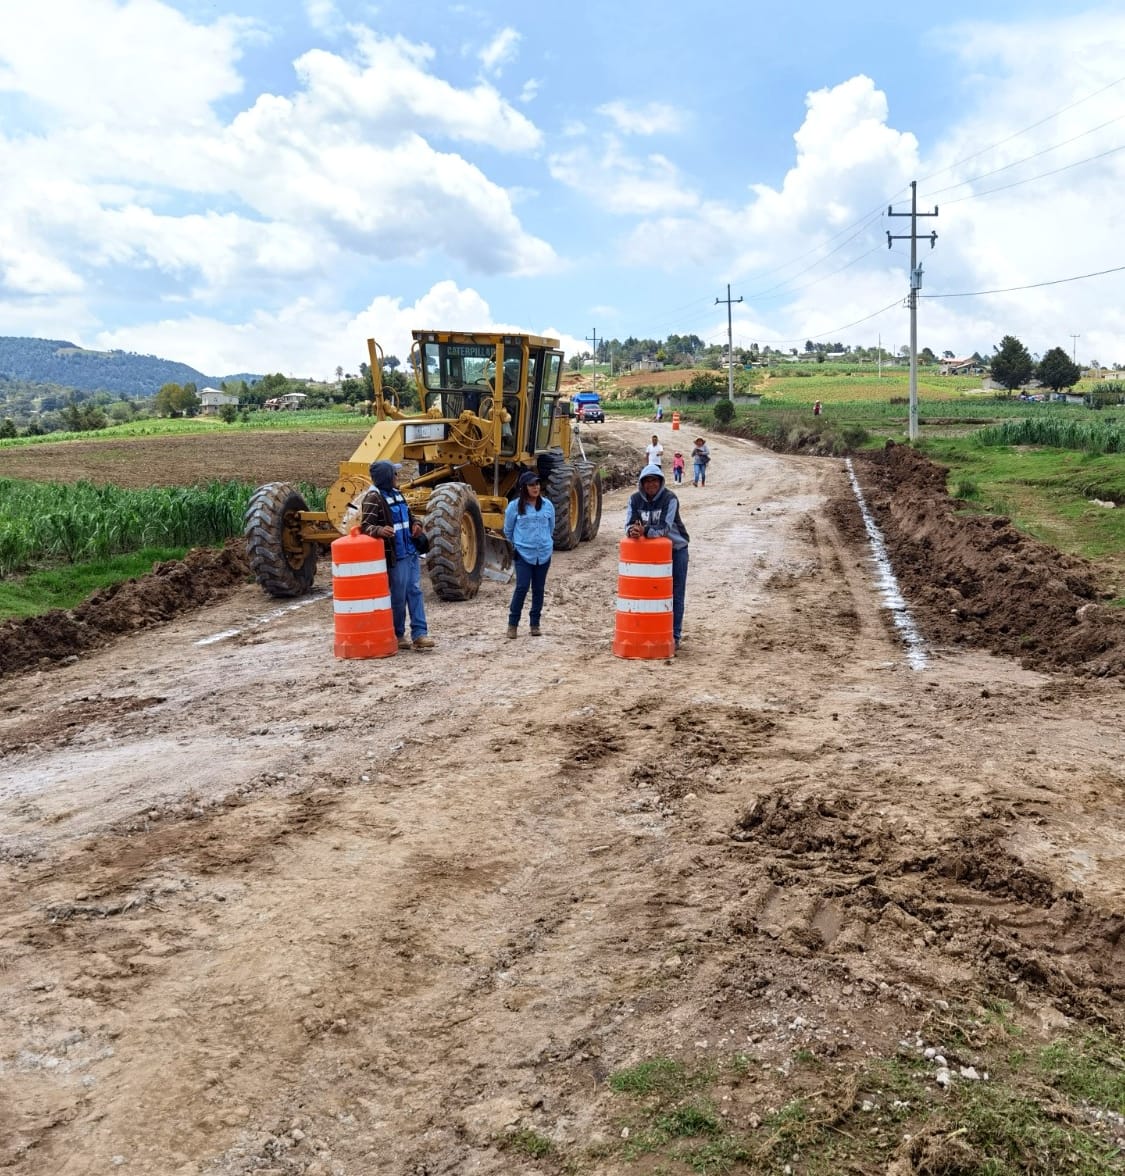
{"type": "Point", "coordinates": [339, 417]}
{"type": "Point", "coordinates": [528, 1143]}
{"type": "Point", "coordinates": [39, 592]}
{"type": "Point", "coordinates": [1090, 1072]}
{"type": "Point", "coordinates": [1036, 1113]}
{"type": "Point", "coordinates": [1049, 493]}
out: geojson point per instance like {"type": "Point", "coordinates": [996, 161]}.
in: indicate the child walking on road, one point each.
{"type": "Point", "coordinates": [677, 467]}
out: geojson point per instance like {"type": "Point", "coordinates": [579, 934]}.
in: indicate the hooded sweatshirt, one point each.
{"type": "Point", "coordinates": [660, 513]}
{"type": "Point", "coordinates": [384, 506]}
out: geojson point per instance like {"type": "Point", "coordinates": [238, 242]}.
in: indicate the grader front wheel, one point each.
{"type": "Point", "coordinates": [455, 529]}
{"type": "Point", "coordinates": [284, 564]}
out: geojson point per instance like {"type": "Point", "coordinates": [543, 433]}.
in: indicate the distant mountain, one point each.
{"type": "Point", "coordinates": [55, 361]}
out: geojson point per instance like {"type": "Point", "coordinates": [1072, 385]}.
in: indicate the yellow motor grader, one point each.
{"type": "Point", "coordinates": [491, 409]}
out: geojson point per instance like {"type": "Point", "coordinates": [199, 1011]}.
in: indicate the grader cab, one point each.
{"type": "Point", "coordinates": [491, 408]}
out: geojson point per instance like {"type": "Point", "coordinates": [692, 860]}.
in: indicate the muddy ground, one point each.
{"type": "Point", "coordinates": [267, 911]}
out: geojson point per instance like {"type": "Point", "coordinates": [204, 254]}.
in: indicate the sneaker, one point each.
{"type": "Point", "coordinates": [512, 631]}
{"type": "Point", "coordinates": [424, 643]}
{"type": "Point", "coordinates": [536, 631]}
{"type": "Point", "coordinates": [404, 643]}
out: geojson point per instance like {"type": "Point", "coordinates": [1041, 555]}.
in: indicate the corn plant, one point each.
{"type": "Point", "coordinates": [43, 523]}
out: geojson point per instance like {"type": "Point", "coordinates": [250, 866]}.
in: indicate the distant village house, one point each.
{"type": "Point", "coordinates": [290, 400]}
{"type": "Point", "coordinates": [212, 399]}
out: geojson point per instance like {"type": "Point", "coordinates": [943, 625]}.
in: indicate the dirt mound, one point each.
{"type": "Point", "coordinates": [171, 588]}
{"type": "Point", "coordinates": [977, 580]}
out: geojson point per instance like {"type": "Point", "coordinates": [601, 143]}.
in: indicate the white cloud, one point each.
{"type": "Point", "coordinates": [138, 64]}
{"type": "Point", "coordinates": [623, 183]}
{"type": "Point", "coordinates": [314, 340]}
{"type": "Point", "coordinates": [530, 90]}
{"type": "Point", "coordinates": [652, 118]}
{"type": "Point", "coordinates": [133, 169]}
{"type": "Point", "coordinates": [324, 16]}
{"type": "Point", "coordinates": [500, 51]}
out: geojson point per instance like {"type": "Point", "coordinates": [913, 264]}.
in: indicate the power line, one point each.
{"type": "Point", "coordinates": [846, 326]}
{"type": "Point", "coordinates": [864, 223]}
{"type": "Point", "coordinates": [1017, 162]}
{"type": "Point", "coordinates": [1016, 134]}
{"type": "Point", "coordinates": [1034, 285]}
{"type": "Point", "coordinates": [1041, 176]}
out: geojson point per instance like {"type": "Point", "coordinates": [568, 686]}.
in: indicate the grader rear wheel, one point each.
{"type": "Point", "coordinates": [564, 489]}
{"type": "Point", "coordinates": [455, 529]}
{"type": "Point", "coordinates": [284, 564]}
{"type": "Point", "coordinates": [591, 478]}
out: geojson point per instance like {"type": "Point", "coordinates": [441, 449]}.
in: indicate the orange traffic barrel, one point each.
{"type": "Point", "coordinates": [361, 597]}
{"type": "Point", "coordinates": [644, 599]}
{"type": "Point", "coordinates": [675, 420]}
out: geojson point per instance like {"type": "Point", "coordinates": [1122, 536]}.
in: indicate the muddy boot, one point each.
{"type": "Point", "coordinates": [535, 631]}
{"type": "Point", "coordinates": [512, 631]}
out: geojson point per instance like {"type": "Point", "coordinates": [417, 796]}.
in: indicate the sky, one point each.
{"type": "Point", "coordinates": [261, 185]}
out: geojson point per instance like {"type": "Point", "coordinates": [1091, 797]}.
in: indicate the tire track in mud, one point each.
{"type": "Point", "coordinates": [537, 882]}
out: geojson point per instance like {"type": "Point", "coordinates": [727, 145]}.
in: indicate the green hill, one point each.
{"type": "Point", "coordinates": [58, 362]}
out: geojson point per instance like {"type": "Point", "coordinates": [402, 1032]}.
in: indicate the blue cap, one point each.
{"type": "Point", "coordinates": [527, 477]}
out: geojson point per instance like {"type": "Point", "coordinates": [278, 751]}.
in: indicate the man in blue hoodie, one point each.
{"type": "Point", "coordinates": [386, 515]}
{"type": "Point", "coordinates": [654, 513]}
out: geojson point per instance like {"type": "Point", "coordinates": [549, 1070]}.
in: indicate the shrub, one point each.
{"type": "Point", "coordinates": [724, 412]}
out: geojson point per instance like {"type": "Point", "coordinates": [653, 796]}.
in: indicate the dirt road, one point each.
{"type": "Point", "coordinates": [267, 911]}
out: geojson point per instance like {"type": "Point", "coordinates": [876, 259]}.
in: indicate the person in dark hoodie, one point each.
{"type": "Point", "coordinates": [654, 513]}
{"type": "Point", "coordinates": [386, 515]}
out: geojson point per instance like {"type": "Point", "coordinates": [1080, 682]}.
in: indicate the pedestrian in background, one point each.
{"type": "Point", "coordinates": [654, 452]}
{"type": "Point", "coordinates": [529, 526]}
{"type": "Point", "coordinates": [654, 513]}
{"type": "Point", "coordinates": [385, 515]}
{"type": "Point", "coordinates": [701, 458]}
{"type": "Point", "coordinates": [677, 467]}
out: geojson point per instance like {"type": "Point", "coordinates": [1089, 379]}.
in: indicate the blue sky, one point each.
{"type": "Point", "coordinates": [253, 186]}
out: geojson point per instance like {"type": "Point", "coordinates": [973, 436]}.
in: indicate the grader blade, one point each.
{"type": "Point", "coordinates": [498, 565]}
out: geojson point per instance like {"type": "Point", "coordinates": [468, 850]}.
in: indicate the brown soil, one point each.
{"type": "Point", "coordinates": [978, 581]}
{"type": "Point", "coordinates": [263, 910]}
{"type": "Point", "coordinates": [270, 456]}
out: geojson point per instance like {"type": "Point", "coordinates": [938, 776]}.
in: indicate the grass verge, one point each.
{"type": "Point", "coordinates": [1058, 1107]}
{"type": "Point", "coordinates": [65, 587]}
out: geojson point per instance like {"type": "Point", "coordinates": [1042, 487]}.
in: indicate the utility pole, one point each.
{"type": "Point", "coordinates": [730, 342]}
{"type": "Point", "coordinates": [1074, 348]}
{"type": "Point", "coordinates": [594, 339]}
{"type": "Point", "coordinates": [915, 286]}
{"type": "Point", "coordinates": [879, 356]}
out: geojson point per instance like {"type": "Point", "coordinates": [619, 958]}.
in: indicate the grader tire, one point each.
{"type": "Point", "coordinates": [283, 564]}
{"type": "Point", "coordinates": [564, 489]}
{"type": "Point", "coordinates": [455, 529]}
{"type": "Point", "coordinates": [591, 478]}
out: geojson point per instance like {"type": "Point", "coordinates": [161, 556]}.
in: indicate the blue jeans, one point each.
{"type": "Point", "coordinates": [406, 592]}
{"type": "Point", "coordinates": [699, 474]}
{"type": "Point", "coordinates": [679, 589]}
{"type": "Point", "coordinates": [533, 576]}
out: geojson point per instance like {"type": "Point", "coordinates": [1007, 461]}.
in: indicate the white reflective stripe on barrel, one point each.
{"type": "Point", "coordinates": [643, 606]}
{"type": "Point", "coordinates": [361, 606]}
{"type": "Point", "coordinates": [367, 567]}
{"type": "Point", "coordinates": [650, 570]}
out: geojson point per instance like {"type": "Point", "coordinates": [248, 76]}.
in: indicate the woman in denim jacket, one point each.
{"type": "Point", "coordinates": [529, 526]}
